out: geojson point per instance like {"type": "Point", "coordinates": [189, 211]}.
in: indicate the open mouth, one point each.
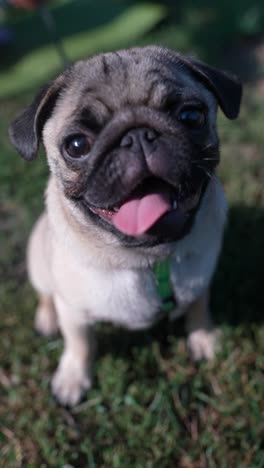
{"type": "Point", "coordinates": [153, 204]}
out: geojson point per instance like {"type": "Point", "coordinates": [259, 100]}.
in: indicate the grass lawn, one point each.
{"type": "Point", "coordinates": [150, 405]}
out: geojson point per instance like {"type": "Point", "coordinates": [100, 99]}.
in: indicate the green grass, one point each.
{"type": "Point", "coordinates": [150, 405]}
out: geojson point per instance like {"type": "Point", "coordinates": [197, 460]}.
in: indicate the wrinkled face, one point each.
{"type": "Point", "coordinates": [133, 141]}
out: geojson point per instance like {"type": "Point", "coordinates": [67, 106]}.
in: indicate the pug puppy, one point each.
{"type": "Point", "coordinates": [132, 147]}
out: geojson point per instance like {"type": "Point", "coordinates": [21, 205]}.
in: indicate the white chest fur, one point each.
{"type": "Point", "coordinates": [125, 297]}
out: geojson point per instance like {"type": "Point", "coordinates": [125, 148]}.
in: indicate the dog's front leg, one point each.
{"type": "Point", "coordinates": [202, 337]}
{"type": "Point", "coordinates": [73, 375]}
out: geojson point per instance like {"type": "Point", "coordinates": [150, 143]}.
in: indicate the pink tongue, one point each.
{"type": "Point", "coordinates": [136, 216]}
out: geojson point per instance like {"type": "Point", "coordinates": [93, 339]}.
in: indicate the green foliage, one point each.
{"type": "Point", "coordinates": [82, 27]}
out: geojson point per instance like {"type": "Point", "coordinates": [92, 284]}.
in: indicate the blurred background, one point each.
{"type": "Point", "coordinates": [150, 405]}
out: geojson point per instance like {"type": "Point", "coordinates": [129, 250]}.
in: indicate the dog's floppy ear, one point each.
{"type": "Point", "coordinates": [25, 131]}
{"type": "Point", "coordinates": [225, 86]}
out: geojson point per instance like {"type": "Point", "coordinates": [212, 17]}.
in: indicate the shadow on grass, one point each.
{"type": "Point", "coordinates": [237, 296]}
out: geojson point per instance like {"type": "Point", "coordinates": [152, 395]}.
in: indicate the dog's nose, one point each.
{"type": "Point", "coordinates": [139, 138]}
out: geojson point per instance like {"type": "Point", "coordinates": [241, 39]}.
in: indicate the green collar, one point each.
{"type": "Point", "coordinates": [162, 275]}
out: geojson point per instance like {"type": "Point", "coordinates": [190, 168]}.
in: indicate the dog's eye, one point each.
{"type": "Point", "coordinates": [77, 146]}
{"type": "Point", "coordinates": [192, 117]}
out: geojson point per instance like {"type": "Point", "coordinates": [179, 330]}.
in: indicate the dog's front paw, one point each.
{"type": "Point", "coordinates": [203, 344]}
{"type": "Point", "coordinates": [70, 381]}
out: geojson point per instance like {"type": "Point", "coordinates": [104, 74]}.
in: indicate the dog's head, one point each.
{"type": "Point", "coordinates": [131, 137]}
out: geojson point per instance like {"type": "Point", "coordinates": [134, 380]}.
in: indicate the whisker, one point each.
{"type": "Point", "coordinates": [107, 244]}
{"type": "Point", "coordinates": [210, 145]}
{"type": "Point", "coordinates": [204, 160]}
{"type": "Point", "coordinates": [210, 159]}
{"type": "Point", "coordinates": [205, 171]}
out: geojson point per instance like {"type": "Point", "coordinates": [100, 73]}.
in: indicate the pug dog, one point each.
{"type": "Point", "coordinates": [132, 148]}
